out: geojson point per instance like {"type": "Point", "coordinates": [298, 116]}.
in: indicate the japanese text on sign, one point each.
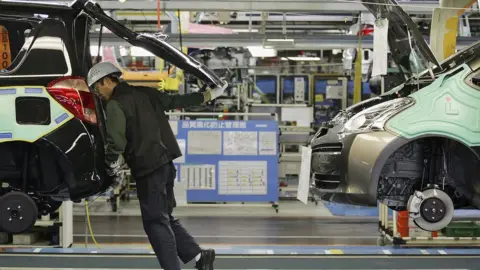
{"type": "Point", "coordinates": [214, 124]}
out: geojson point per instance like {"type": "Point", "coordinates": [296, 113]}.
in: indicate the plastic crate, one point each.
{"type": "Point", "coordinates": [462, 229]}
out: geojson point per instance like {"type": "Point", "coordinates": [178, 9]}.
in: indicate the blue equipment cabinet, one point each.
{"type": "Point", "coordinates": [267, 84]}
{"type": "Point", "coordinates": [229, 161]}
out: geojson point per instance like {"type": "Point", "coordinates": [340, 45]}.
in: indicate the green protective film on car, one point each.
{"type": "Point", "coordinates": [11, 130]}
{"type": "Point", "coordinates": [448, 107]}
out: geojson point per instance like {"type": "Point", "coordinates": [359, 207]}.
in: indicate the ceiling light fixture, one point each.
{"type": "Point", "coordinates": [301, 58]}
{"type": "Point", "coordinates": [259, 51]}
{"type": "Point", "coordinates": [245, 30]}
{"type": "Point", "coordinates": [280, 40]}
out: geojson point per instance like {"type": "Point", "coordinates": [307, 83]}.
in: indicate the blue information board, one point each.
{"type": "Point", "coordinates": [229, 161]}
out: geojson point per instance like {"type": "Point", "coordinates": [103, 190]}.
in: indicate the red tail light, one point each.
{"type": "Point", "coordinates": [75, 96]}
{"type": "Point", "coordinates": [367, 30]}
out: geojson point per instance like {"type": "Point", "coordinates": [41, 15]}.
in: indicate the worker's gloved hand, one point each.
{"type": "Point", "coordinates": [118, 180]}
{"type": "Point", "coordinates": [114, 169]}
{"type": "Point", "coordinates": [218, 91]}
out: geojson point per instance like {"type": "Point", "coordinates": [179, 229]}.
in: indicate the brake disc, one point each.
{"type": "Point", "coordinates": [18, 212]}
{"type": "Point", "coordinates": [435, 211]}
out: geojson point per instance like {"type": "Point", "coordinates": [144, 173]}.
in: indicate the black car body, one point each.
{"type": "Point", "coordinates": [52, 149]}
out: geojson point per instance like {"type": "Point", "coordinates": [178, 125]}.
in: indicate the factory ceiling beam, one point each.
{"type": "Point", "coordinates": [301, 42]}
{"type": "Point", "coordinates": [144, 15]}
{"type": "Point", "coordinates": [316, 6]}
{"type": "Point", "coordinates": [299, 28]}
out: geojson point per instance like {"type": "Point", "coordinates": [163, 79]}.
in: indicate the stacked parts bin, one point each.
{"type": "Point", "coordinates": [462, 229]}
{"type": "Point", "coordinates": [407, 228]}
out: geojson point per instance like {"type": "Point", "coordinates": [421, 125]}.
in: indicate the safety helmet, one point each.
{"type": "Point", "coordinates": [100, 70]}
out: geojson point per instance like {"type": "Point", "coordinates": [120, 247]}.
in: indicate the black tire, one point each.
{"type": "Point", "coordinates": [25, 216]}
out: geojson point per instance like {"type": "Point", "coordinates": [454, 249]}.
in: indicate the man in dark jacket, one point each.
{"type": "Point", "coordinates": [138, 130]}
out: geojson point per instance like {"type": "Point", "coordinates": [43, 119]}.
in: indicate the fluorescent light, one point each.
{"type": "Point", "coordinates": [140, 52]}
{"type": "Point", "coordinates": [134, 51]}
{"type": "Point", "coordinates": [301, 58]}
{"type": "Point", "coordinates": [245, 30]}
{"type": "Point", "coordinates": [304, 58]}
{"type": "Point", "coordinates": [280, 40]}
{"type": "Point", "coordinates": [259, 51]}
{"type": "Point", "coordinates": [337, 51]}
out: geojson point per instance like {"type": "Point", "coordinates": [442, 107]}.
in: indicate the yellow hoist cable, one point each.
{"type": "Point", "coordinates": [90, 225]}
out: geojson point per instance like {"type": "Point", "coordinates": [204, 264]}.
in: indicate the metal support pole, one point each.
{"type": "Point", "coordinates": [216, 114]}
{"type": "Point", "coordinates": [174, 23]}
{"type": "Point", "coordinates": [246, 111]}
{"type": "Point", "coordinates": [380, 214]}
{"type": "Point", "coordinates": [394, 214]}
{"type": "Point", "coordinates": [280, 105]}
{"type": "Point", "coordinates": [86, 224]}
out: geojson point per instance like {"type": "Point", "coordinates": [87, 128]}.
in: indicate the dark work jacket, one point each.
{"type": "Point", "coordinates": [141, 131]}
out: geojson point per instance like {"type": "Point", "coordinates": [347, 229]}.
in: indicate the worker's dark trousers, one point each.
{"type": "Point", "coordinates": [168, 238]}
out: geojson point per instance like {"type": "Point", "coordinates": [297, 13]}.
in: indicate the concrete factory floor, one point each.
{"type": "Point", "coordinates": [233, 224]}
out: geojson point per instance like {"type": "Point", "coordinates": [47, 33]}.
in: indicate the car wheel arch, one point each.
{"type": "Point", "coordinates": [21, 148]}
{"type": "Point", "coordinates": [399, 142]}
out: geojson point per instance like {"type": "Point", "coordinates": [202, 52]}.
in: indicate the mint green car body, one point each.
{"type": "Point", "coordinates": [28, 133]}
{"type": "Point", "coordinates": [449, 107]}
{"type": "Point", "coordinates": [421, 138]}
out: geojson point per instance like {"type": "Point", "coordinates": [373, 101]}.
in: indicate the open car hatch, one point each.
{"type": "Point", "coordinates": [409, 49]}
{"type": "Point", "coordinates": [152, 43]}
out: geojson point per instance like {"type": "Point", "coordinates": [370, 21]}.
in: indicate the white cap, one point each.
{"type": "Point", "coordinates": [101, 70]}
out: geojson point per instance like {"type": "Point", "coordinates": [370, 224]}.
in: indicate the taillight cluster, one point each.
{"type": "Point", "coordinates": [75, 96]}
{"type": "Point", "coordinates": [366, 30]}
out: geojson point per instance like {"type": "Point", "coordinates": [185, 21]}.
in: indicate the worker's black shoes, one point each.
{"type": "Point", "coordinates": [206, 260]}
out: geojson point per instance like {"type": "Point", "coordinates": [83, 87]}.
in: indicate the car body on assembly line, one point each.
{"type": "Point", "coordinates": [417, 146]}
{"type": "Point", "coordinates": [52, 127]}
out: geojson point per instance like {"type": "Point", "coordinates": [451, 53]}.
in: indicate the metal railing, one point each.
{"type": "Point", "coordinates": [241, 114]}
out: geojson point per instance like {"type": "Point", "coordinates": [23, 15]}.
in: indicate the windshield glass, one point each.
{"type": "Point", "coordinates": [407, 45]}
{"type": "Point", "coordinates": [405, 49]}
{"type": "Point", "coordinates": [417, 63]}
{"type": "Point", "coordinates": [453, 61]}
{"type": "Point", "coordinates": [446, 65]}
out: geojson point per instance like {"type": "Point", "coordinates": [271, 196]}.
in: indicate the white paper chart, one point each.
{"type": "Point", "coordinates": [198, 176]}
{"type": "Point", "coordinates": [240, 143]}
{"type": "Point", "coordinates": [267, 143]}
{"type": "Point", "coordinates": [299, 89]}
{"type": "Point", "coordinates": [204, 142]}
{"type": "Point", "coordinates": [242, 177]}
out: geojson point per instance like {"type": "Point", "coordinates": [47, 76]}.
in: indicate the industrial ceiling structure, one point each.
{"type": "Point", "coordinates": [316, 6]}
{"type": "Point", "coordinates": [286, 25]}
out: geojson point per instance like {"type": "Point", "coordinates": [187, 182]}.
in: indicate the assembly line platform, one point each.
{"type": "Point", "coordinates": [260, 257]}
{"type": "Point", "coordinates": [244, 237]}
